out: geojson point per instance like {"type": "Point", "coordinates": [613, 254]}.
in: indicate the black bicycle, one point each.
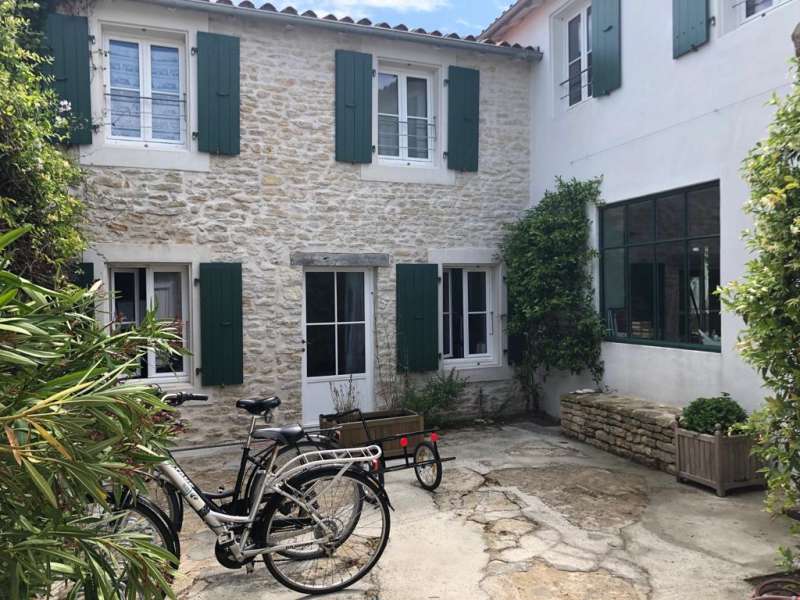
{"type": "Point", "coordinates": [251, 464]}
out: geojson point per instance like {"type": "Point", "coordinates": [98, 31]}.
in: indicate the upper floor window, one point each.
{"type": "Point", "coordinates": [577, 82]}
{"type": "Point", "coordinates": [740, 11]}
{"type": "Point", "coordinates": [145, 90]}
{"type": "Point", "coordinates": [661, 268]}
{"type": "Point", "coordinates": [406, 119]}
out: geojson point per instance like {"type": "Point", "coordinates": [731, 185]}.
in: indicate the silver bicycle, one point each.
{"type": "Point", "coordinates": [320, 521]}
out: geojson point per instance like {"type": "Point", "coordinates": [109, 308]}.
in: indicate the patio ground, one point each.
{"type": "Point", "coordinates": [527, 514]}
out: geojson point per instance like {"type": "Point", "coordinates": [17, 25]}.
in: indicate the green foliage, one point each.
{"type": "Point", "coordinates": [768, 297]}
{"type": "Point", "coordinates": [551, 299]}
{"type": "Point", "coordinates": [35, 175]}
{"type": "Point", "coordinates": [437, 396]}
{"type": "Point", "coordinates": [69, 425]}
{"type": "Point", "coordinates": [704, 414]}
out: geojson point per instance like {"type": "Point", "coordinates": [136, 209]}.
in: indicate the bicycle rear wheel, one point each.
{"type": "Point", "coordinates": [329, 540]}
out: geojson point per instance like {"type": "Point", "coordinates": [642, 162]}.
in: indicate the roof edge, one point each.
{"type": "Point", "coordinates": [484, 46]}
{"type": "Point", "coordinates": [504, 19]}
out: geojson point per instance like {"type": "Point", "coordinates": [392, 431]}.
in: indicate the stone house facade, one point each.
{"type": "Point", "coordinates": [221, 216]}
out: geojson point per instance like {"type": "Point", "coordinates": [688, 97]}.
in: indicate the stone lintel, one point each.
{"type": "Point", "coordinates": [334, 259]}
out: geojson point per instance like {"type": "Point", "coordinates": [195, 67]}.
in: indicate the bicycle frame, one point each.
{"type": "Point", "coordinates": [221, 523]}
{"type": "Point", "coordinates": [256, 457]}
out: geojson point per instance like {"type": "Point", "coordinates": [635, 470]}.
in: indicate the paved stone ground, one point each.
{"type": "Point", "coordinates": [525, 514]}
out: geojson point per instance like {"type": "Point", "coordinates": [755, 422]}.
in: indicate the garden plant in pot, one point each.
{"type": "Point", "coordinates": [709, 452]}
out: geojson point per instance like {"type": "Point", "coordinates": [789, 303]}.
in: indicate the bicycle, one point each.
{"type": "Point", "coordinates": [166, 497]}
{"type": "Point", "coordinates": [320, 521]}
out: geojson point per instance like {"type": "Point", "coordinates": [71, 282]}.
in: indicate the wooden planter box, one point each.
{"type": "Point", "coordinates": [721, 462]}
{"type": "Point", "coordinates": [379, 424]}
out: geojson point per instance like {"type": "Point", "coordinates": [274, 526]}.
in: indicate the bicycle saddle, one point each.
{"type": "Point", "coordinates": [258, 406]}
{"type": "Point", "coordinates": [283, 435]}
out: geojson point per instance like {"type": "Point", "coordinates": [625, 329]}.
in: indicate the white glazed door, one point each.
{"type": "Point", "coordinates": [337, 340]}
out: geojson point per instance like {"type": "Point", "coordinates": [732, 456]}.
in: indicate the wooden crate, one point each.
{"type": "Point", "coordinates": [379, 424]}
{"type": "Point", "coordinates": [721, 462]}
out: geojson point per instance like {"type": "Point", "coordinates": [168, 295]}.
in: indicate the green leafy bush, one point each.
{"type": "Point", "coordinates": [551, 299]}
{"type": "Point", "coordinates": [70, 424]}
{"type": "Point", "coordinates": [35, 174]}
{"type": "Point", "coordinates": [767, 298]}
{"type": "Point", "coordinates": [704, 414]}
{"type": "Point", "coordinates": [437, 396]}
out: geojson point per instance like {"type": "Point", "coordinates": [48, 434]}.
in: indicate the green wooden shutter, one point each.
{"type": "Point", "coordinates": [417, 318]}
{"type": "Point", "coordinates": [516, 342]}
{"type": "Point", "coordinates": [83, 275]}
{"type": "Point", "coordinates": [67, 41]}
{"type": "Point", "coordinates": [606, 47]}
{"type": "Point", "coordinates": [353, 107]}
{"type": "Point", "coordinates": [221, 323]}
{"type": "Point", "coordinates": [218, 93]}
{"type": "Point", "coordinates": [689, 25]}
{"type": "Point", "coordinates": [463, 97]}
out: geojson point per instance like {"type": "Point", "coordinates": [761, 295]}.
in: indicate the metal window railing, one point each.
{"type": "Point", "coordinates": [159, 118]}
{"type": "Point", "coordinates": [403, 142]}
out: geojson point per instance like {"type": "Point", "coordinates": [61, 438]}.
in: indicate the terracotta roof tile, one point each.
{"type": "Point", "coordinates": [401, 27]}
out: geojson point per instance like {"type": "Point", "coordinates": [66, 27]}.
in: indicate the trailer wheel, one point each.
{"type": "Point", "coordinates": [429, 475]}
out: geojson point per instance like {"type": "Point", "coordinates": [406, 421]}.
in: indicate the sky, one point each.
{"type": "Point", "coordinates": [460, 16]}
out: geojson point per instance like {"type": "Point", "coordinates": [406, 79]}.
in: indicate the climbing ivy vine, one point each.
{"type": "Point", "coordinates": [553, 322]}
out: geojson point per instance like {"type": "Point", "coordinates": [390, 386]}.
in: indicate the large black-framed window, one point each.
{"type": "Point", "coordinates": [660, 268]}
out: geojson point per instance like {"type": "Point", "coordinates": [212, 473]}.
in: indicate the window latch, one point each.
{"type": "Point", "coordinates": [194, 50]}
{"type": "Point", "coordinates": [446, 82]}
{"type": "Point", "coordinates": [444, 155]}
{"type": "Point", "coordinates": [195, 135]}
{"type": "Point", "coordinates": [198, 370]}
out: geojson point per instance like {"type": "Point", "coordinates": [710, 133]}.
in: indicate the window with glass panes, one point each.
{"type": "Point", "coordinates": [467, 313]}
{"type": "Point", "coordinates": [164, 289]}
{"type": "Point", "coordinates": [145, 99]}
{"type": "Point", "coordinates": [660, 268]}
{"type": "Point", "coordinates": [579, 55]}
{"type": "Point", "coordinates": [406, 124]}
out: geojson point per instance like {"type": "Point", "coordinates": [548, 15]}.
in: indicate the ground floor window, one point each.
{"type": "Point", "coordinates": [164, 288]}
{"type": "Point", "coordinates": [467, 312]}
{"type": "Point", "coordinates": [661, 267]}
{"type": "Point", "coordinates": [335, 323]}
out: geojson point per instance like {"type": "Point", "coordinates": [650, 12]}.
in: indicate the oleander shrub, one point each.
{"type": "Point", "coordinates": [73, 425]}
{"type": "Point", "coordinates": [704, 414]}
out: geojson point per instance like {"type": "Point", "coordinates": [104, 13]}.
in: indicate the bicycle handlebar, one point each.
{"type": "Point", "coordinates": [181, 397]}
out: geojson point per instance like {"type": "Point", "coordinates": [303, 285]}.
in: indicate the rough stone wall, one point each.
{"type": "Point", "coordinates": [286, 193]}
{"type": "Point", "coordinates": [630, 427]}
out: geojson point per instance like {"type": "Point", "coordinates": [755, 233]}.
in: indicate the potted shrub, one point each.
{"type": "Point", "coordinates": [708, 453]}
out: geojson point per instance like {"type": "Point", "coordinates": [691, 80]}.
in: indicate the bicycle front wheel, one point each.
{"type": "Point", "coordinates": [325, 541]}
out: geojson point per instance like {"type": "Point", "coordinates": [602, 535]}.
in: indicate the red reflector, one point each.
{"type": "Point", "coordinates": [403, 442]}
{"type": "Point", "coordinates": [376, 465]}
{"type": "Point", "coordinates": [434, 437]}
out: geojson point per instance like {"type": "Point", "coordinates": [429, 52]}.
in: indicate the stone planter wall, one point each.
{"type": "Point", "coordinates": [630, 427]}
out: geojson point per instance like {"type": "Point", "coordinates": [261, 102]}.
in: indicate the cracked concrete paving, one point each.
{"type": "Point", "coordinates": [524, 514]}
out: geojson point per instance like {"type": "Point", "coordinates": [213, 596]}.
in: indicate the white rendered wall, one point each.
{"type": "Point", "coordinates": [673, 123]}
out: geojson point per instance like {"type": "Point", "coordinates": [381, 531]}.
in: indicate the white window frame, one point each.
{"type": "Point", "coordinates": [447, 288]}
{"type": "Point", "coordinates": [582, 10]}
{"type": "Point", "coordinates": [150, 269]}
{"type": "Point", "coordinates": [145, 42]}
{"type": "Point", "coordinates": [493, 354]}
{"type": "Point", "coordinates": [402, 90]}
